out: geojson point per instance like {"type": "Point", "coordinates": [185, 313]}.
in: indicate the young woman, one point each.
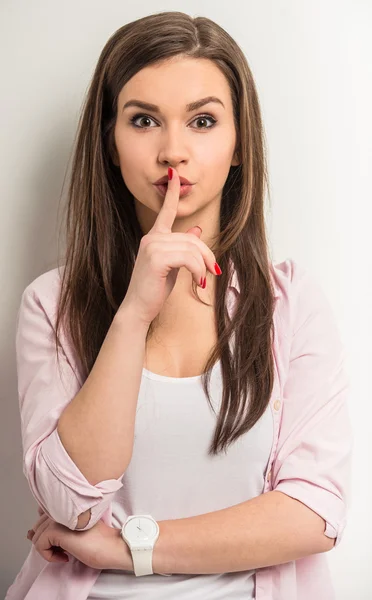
{"type": "Point", "coordinates": [183, 399]}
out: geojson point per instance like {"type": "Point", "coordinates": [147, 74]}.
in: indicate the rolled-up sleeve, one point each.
{"type": "Point", "coordinates": [45, 387]}
{"type": "Point", "coordinates": [313, 458]}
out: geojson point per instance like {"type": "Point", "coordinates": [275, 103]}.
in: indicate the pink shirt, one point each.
{"type": "Point", "coordinates": [310, 458]}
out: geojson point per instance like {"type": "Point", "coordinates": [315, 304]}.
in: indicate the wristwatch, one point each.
{"type": "Point", "coordinates": [140, 532]}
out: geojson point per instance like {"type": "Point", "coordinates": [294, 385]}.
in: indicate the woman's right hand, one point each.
{"type": "Point", "coordinates": [160, 256]}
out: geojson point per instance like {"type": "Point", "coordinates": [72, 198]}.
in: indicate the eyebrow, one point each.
{"type": "Point", "coordinates": [189, 107]}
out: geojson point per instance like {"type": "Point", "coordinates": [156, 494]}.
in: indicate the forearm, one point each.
{"type": "Point", "coordinates": [97, 426]}
{"type": "Point", "coordinates": [267, 530]}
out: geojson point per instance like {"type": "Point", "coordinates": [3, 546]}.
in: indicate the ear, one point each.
{"type": "Point", "coordinates": [114, 157]}
{"type": "Point", "coordinates": [112, 150]}
{"type": "Point", "coordinates": [236, 159]}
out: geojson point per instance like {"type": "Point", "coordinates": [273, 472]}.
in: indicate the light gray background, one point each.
{"type": "Point", "coordinates": [312, 65]}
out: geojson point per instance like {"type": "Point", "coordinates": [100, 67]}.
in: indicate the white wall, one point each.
{"type": "Point", "coordinates": [312, 66]}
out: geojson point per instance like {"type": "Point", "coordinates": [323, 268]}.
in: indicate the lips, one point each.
{"type": "Point", "coordinates": [166, 184]}
{"type": "Point", "coordinates": [164, 181]}
{"type": "Point", "coordinates": [185, 190]}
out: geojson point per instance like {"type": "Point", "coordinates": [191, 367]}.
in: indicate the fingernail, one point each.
{"type": "Point", "coordinates": [217, 269]}
{"type": "Point", "coordinates": [204, 283]}
{"type": "Point", "coordinates": [170, 173]}
{"type": "Point", "coordinates": [198, 227]}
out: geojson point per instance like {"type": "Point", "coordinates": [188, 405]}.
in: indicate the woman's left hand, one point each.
{"type": "Point", "coordinates": [96, 547]}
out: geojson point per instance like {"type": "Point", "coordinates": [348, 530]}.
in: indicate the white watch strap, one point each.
{"type": "Point", "coordinates": [142, 562]}
{"type": "Point", "coordinates": [142, 557]}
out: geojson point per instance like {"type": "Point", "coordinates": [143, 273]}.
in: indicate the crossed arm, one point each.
{"type": "Point", "coordinates": [269, 529]}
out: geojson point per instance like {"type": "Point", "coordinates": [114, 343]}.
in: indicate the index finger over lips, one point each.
{"type": "Point", "coordinates": [168, 212]}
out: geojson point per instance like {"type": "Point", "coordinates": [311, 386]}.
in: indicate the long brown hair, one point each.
{"type": "Point", "coordinates": [103, 233]}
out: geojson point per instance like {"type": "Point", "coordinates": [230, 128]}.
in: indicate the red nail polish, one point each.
{"type": "Point", "coordinates": [204, 283]}
{"type": "Point", "coordinates": [170, 173]}
{"type": "Point", "coordinates": [217, 269]}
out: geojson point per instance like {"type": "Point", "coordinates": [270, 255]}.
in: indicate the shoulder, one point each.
{"type": "Point", "coordinates": [301, 300]}
{"type": "Point", "coordinates": [288, 275]}
{"type": "Point", "coordinates": [39, 302]}
{"type": "Point", "coordinates": [294, 282]}
{"type": "Point", "coordinates": [46, 284]}
{"type": "Point", "coordinates": [36, 319]}
{"type": "Point", "coordinates": [44, 290]}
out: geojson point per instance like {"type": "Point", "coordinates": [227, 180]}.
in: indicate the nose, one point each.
{"type": "Point", "coordinates": [173, 148]}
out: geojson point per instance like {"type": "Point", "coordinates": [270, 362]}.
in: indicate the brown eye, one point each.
{"type": "Point", "coordinates": [206, 118]}
{"type": "Point", "coordinates": [143, 117]}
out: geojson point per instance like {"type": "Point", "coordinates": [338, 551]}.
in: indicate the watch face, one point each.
{"type": "Point", "coordinates": [140, 529]}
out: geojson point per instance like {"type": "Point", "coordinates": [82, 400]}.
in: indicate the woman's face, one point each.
{"type": "Point", "coordinates": [199, 143]}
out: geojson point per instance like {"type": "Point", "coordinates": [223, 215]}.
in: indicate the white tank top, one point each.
{"type": "Point", "coordinates": [171, 476]}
